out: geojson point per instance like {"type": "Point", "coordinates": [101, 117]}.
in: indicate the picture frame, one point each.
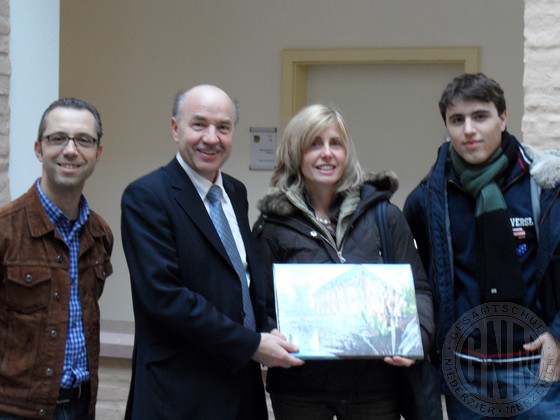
{"type": "Point", "coordinates": [334, 311]}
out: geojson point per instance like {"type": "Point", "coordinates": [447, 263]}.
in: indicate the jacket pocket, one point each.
{"type": "Point", "coordinates": [102, 271]}
{"type": "Point", "coordinates": [25, 294]}
{"type": "Point", "coordinates": [27, 289]}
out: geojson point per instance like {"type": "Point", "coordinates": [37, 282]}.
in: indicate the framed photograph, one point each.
{"type": "Point", "coordinates": [336, 311]}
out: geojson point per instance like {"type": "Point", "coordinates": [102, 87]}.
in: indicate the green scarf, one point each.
{"type": "Point", "coordinates": [480, 180]}
{"type": "Point", "coordinates": [499, 270]}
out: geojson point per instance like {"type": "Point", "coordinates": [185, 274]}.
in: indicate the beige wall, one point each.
{"type": "Point", "coordinates": [130, 57]}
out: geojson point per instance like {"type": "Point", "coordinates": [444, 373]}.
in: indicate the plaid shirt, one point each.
{"type": "Point", "coordinates": [75, 368]}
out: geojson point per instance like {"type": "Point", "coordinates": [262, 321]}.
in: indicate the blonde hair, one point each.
{"type": "Point", "coordinates": [298, 136]}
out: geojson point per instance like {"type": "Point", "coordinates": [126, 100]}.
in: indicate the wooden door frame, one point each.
{"type": "Point", "coordinates": [295, 64]}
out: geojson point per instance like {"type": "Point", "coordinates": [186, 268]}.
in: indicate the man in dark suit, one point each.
{"type": "Point", "coordinates": [193, 356]}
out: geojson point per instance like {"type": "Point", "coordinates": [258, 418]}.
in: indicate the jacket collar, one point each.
{"type": "Point", "coordinates": [37, 218]}
{"type": "Point", "coordinates": [282, 203]}
{"type": "Point", "coordinates": [544, 164]}
{"type": "Point", "coordinates": [40, 224]}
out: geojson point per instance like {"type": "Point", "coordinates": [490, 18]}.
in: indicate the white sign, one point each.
{"type": "Point", "coordinates": [263, 148]}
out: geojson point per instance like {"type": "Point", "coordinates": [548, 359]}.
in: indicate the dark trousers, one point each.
{"type": "Point", "coordinates": [379, 407]}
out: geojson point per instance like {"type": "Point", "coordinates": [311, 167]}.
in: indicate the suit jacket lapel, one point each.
{"type": "Point", "coordinates": [186, 196]}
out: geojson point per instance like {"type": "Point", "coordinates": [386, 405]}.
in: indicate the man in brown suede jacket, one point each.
{"type": "Point", "coordinates": [55, 256]}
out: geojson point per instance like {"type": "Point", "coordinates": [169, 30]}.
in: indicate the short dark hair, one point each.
{"type": "Point", "coordinates": [472, 87]}
{"type": "Point", "coordinates": [73, 103]}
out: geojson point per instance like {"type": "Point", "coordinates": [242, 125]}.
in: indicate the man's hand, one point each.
{"type": "Point", "coordinates": [399, 361]}
{"type": "Point", "coordinates": [274, 351]}
{"type": "Point", "coordinates": [550, 356]}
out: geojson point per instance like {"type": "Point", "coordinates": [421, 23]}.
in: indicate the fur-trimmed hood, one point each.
{"type": "Point", "coordinates": [545, 166]}
{"type": "Point", "coordinates": [277, 202]}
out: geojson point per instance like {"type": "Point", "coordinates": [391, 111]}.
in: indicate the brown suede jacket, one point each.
{"type": "Point", "coordinates": [34, 303]}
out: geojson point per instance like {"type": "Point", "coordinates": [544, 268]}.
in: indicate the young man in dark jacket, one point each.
{"type": "Point", "coordinates": [486, 220]}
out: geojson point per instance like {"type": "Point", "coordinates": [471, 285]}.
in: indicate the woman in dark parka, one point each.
{"type": "Point", "coordinates": [319, 209]}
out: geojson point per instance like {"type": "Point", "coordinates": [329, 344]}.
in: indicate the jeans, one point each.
{"type": "Point", "coordinates": [507, 391]}
{"type": "Point", "coordinates": [379, 407]}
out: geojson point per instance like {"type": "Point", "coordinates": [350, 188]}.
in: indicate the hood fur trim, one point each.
{"type": "Point", "coordinates": [276, 201]}
{"type": "Point", "coordinates": [385, 180]}
{"type": "Point", "coordinates": [545, 166]}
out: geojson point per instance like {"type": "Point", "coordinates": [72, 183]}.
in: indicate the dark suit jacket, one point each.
{"type": "Point", "coordinates": [192, 355]}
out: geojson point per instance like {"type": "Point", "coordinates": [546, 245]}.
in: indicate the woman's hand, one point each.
{"type": "Point", "coordinates": [399, 361]}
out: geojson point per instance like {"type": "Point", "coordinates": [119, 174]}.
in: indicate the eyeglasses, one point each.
{"type": "Point", "coordinates": [81, 140]}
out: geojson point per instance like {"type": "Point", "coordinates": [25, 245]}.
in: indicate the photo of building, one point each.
{"type": "Point", "coordinates": [348, 310]}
